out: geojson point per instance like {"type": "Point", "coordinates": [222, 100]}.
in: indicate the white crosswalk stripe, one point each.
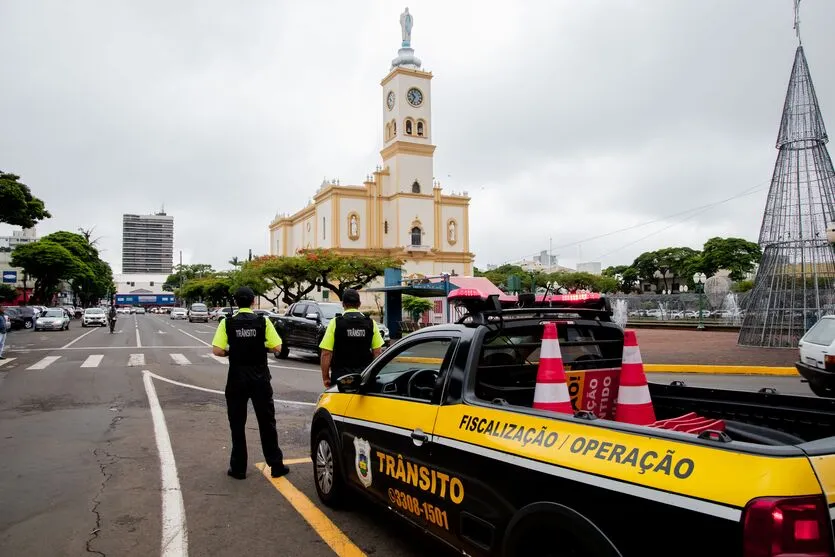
{"type": "Point", "coordinates": [224, 361]}
{"type": "Point", "coordinates": [180, 360]}
{"type": "Point", "coordinates": [44, 363]}
{"type": "Point", "coordinates": [136, 360]}
{"type": "Point", "coordinates": [6, 361]}
{"type": "Point", "coordinates": [93, 361]}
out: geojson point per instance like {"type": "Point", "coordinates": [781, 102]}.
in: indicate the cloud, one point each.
{"type": "Point", "coordinates": [563, 120]}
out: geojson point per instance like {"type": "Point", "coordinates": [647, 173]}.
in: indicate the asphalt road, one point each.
{"type": "Point", "coordinates": [80, 460]}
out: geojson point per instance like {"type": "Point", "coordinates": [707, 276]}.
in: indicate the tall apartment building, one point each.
{"type": "Point", "coordinates": [148, 243]}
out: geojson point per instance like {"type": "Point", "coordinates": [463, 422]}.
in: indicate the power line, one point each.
{"type": "Point", "coordinates": [694, 210]}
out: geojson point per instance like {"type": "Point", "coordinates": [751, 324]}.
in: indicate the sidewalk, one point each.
{"type": "Point", "coordinates": [665, 346]}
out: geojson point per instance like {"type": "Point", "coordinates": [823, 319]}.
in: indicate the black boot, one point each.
{"type": "Point", "coordinates": [236, 475]}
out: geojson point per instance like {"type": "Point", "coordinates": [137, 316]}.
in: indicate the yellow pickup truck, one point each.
{"type": "Point", "coordinates": [441, 429]}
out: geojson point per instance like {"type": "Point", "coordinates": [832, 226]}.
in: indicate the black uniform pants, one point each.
{"type": "Point", "coordinates": [239, 390]}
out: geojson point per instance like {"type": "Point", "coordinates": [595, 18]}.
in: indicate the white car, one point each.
{"type": "Point", "coordinates": [94, 316]}
{"type": "Point", "coordinates": [817, 357]}
{"type": "Point", "coordinates": [140, 311]}
{"type": "Point", "coordinates": [55, 319]}
{"type": "Point", "coordinates": [179, 313]}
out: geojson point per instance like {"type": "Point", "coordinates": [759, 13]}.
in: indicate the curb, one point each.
{"type": "Point", "coordinates": [721, 369]}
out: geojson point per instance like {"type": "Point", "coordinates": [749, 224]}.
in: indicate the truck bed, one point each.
{"type": "Point", "coordinates": [754, 417]}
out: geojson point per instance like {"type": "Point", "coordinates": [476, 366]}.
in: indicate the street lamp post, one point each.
{"type": "Point", "coordinates": [699, 279]}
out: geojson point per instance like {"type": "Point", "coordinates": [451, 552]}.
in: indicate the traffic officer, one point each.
{"type": "Point", "coordinates": [351, 342]}
{"type": "Point", "coordinates": [246, 338]}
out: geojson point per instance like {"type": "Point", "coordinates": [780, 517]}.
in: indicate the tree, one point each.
{"type": "Point", "coordinates": [48, 263]}
{"type": "Point", "coordinates": [733, 254]}
{"type": "Point", "coordinates": [17, 205]}
{"type": "Point", "coordinates": [500, 276]}
{"type": "Point", "coordinates": [338, 272]}
{"type": "Point", "coordinates": [8, 293]}
{"type": "Point", "coordinates": [182, 273]}
{"type": "Point", "coordinates": [416, 306]}
{"type": "Point", "coordinates": [289, 278]}
{"type": "Point", "coordinates": [92, 278]}
{"type": "Point", "coordinates": [677, 262]}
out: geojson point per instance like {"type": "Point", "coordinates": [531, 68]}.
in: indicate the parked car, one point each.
{"type": "Point", "coordinates": [139, 311]}
{"type": "Point", "coordinates": [179, 313]}
{"type": "Point", "coordinates": [16, 320]}
{"type": "Point", "coordinates": [94, 316]}
{"type": "Point", "coordinates": [28, 314]}
{"type": "Point", "coordinates": [817, 357]}
{"type": "Point", "coordinates": [223, 313]}
{"type": "Point", "coordinates": [198, 312]}
{"type": "Point", "coordinates": [55, 319]}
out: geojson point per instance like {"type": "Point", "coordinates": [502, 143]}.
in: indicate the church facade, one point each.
{"type": "Point", "coordinates": [400, 210]}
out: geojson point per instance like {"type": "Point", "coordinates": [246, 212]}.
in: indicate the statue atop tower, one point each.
{"type": "Point", "coordinates": [406, 55]}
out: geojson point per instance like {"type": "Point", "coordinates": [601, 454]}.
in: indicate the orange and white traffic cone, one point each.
{"type": "Point", "coordinates": [634, 405]}
{"type": "Point", "coordinates": [551, 388]}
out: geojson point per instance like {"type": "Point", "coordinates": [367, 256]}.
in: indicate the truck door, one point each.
{"type": "Point", "coordinates": [293, 325]}
{"type": "Point", "coordinates": [387, 434]}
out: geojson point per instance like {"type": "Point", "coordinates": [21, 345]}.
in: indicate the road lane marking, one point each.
{"type": "Point", "coordinates": [42, 364]}
{"type": "Point", "coordinates": [138, 342]}
{"type": "Point", "coordinates": [215, 391]}
{"type": "Point", "coordinates": [174, 532]}
{"type": "Point", "coordinates": [292, 461]}
{"type": "Point", "coordinates": [295, 368]}
{"type": "Point", "coordinates": [6, 361]}
{"type": "Point", "coordinates": [194, 337]}
{"type": "Point", "coordinates": [180, 360]}
{"type": "Point", "coordinates": [93, 361]}
{"type": "Point", "coordinates": [70, 343]}
{"type": "Point", "coordinates": [136, 360]}
{"type": "Point", "coordinates": [218, 359]}
{"type": "Point", "coordinates": [327, 530]}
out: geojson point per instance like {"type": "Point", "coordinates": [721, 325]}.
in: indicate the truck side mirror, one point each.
{"type": "Point", "coordinates": [349, 383]}
{"type": "Point", "coordinates": [313, 316]}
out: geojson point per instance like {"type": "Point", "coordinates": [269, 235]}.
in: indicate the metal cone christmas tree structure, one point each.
{"type": "Point", "coordinates": [795, 283]}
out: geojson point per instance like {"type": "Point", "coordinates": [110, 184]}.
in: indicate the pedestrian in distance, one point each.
{"type": "Point", "coordinates": [3, 331]}
{"type": "Point", "coordinates": [351, 341]}
{"type": "Point", "coordinates": [246, 338]}
{"type": "Point", "coordinates": [111, 318]}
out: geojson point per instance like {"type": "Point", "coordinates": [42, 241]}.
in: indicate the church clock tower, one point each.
{"type": "Point", "coordinates": [407, 121]}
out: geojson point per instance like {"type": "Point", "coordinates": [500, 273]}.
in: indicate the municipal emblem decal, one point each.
{"type": "Point", "coordinates": [362, 462]}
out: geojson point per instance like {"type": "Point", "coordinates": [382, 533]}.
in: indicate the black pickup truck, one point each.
{"type": "Point", "coordinates": [303, 326]}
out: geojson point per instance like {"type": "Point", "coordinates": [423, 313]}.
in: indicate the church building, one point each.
{"type": "Point", "coordinates": [400, 210]}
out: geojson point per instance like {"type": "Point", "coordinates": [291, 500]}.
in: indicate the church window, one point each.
{"type": "Point", "coordinates": [408, 126]}
{"type": "Point", "coordinates": [385, 227]}
{"type": "Point", "coordinates": [393, 128]}
{"type": "Point", "coordinates": [415, 187]}
{"type": "Point", "coordinates": [388, 131]}
{"type": "Point", "coordinates": [324, 229]}
{"type": "Point", "coordinates": [420, 128]}
{"type": "Point", "coordinates": [416, 236]}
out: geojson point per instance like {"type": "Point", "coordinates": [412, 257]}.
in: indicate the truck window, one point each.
{"type": "Point", "coordinates": [412, 371]}
{"type": "Point", "coordinates": [508, 362]}
{"type": "Point", "coordinates": [299, 310]}
{"type": "Point", "coordinates": [822, 332]}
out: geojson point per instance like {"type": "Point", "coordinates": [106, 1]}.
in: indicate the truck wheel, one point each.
{"type": "Point", "coordinates": [327, 472]}
{"type": "Point", "coordinates": [822, 391]}
{"type": "Point", "coordinates": [551, 534]}
{"type": "Point", "coordinates": [285, 351]}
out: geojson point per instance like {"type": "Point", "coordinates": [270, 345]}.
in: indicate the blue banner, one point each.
{"type": "Point", "coordinates": [145, 299]}
{"type": "Point", "coordinates": [9, 277]}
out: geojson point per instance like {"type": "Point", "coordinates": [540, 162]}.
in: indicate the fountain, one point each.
{"type": "Point", "coordinates": [663, 308]}
{"type": "Point", "coordinates": [730, 310]}
{"type": "Point", "coordinates": [620, 313]}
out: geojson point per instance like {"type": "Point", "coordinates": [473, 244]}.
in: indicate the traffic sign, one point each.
{"type": "Point", "coordinates": [9, 277]}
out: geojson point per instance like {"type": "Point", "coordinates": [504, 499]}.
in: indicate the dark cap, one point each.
{"type": "Point", "coordinates": [244, 296]}
{"type": "Point", "coordinates": [351, 298]}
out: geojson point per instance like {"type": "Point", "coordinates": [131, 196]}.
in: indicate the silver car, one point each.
{"type": "Point", "coordinates": [54, 319]}
{"type": "Point", "coordinates": [94, 317]}
{"type": "Point", "coordinates": [198, 312]}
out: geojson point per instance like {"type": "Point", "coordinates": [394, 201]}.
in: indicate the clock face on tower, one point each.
{"type": "Point", "coordinates": [390, 100]}
{"type": "Point", "coordinates": [414, 96]}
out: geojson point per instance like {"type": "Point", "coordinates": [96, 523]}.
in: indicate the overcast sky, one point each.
{"type": "Point", "coordinates": [562, 119]}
